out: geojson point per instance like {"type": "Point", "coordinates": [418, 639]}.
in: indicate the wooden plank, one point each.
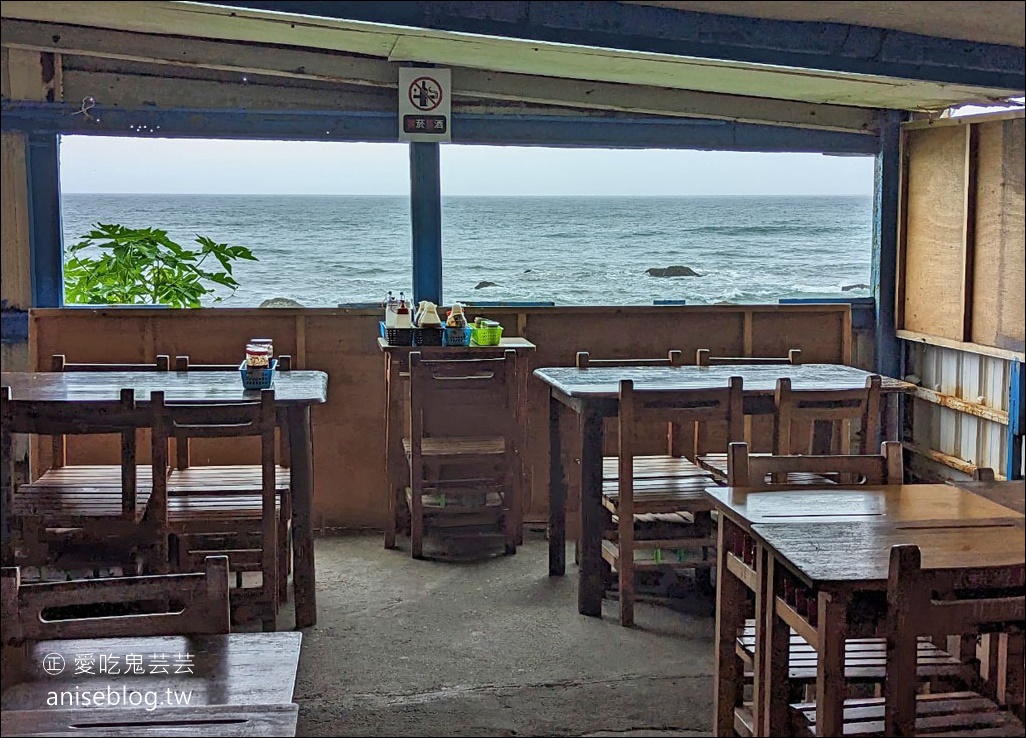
{"type": "Point", "coordinates": [999, 267]}
{"type": "Point", "coordinates": [962, 406]}
{"type": "Point", "coordinates": [16, 276]}
{"type": "Point", "coordinates": [974, 348]}
{"type": "Point", "coordinates": [935, 231]}
{"type": "Point", "coordinates": [337, 68]}
{"type": "Point", "coordinates": [219, 720]}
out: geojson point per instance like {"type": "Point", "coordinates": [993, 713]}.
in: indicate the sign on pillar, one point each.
{"type": "Point", "coordinates": [424, 104]}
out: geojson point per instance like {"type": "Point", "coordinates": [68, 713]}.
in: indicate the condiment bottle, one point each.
{"type": "Point", "coordinates": [391, 306]}
{"type": "Point", "coordinates": [257, 356]}
{"type": "Point", "coordinates": [264, 342]}
{"type": "Point", "coordinates": [457, 319]}
{"type": "Point", "coordinates": [403, 318]}
{"type": "Point", "coordinates": [429, 318]}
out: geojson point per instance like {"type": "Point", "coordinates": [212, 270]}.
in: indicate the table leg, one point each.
{"type": "Point", "coordinates": [773, 657]}
{"type": "Point", "coordinates": [305, 581]}
{"type": "Point", "coordinates": [830, 687]}
{"type": "Point", "coordinates": [391, 428]}
{"type": "Point", "coordinates": [592, 579]}
{"type": "Point", "coordinates": [727, 674]}
{"type": "Point", "coordinates": [557, 496]}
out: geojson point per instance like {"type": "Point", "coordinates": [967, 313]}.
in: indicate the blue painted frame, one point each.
{"type": "Point", "coordinates": [641, 132]}
{"type": "Point", "coordinates": [46, 241]}
{"type": "Point", "coordinates": [426, 220]}
{"type": "Point", "coordinates": [814, 45]}
{"type": "Point", "coordinates": [1016, 421]}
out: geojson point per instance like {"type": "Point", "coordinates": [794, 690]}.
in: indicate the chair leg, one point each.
{"type": "Point", "coordinates": [416, 520]}
{"type": "Point", "coordinates": [391, 522]}
{"type": "Point", "coordinates": [625, 536]}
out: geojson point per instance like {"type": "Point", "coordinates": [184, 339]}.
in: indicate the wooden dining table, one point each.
{"type": "Point", "coordinates": [295, 391]}
{"type": "Point", "coordinates": [233, 669]}
{"type": "Point", "coordinates": [592, 393]}
{"type": "Point", "coordinates": [834, 544]}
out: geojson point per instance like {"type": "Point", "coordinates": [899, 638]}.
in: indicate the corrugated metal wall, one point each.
{"type": "Point", "coordinates": [977, 379]}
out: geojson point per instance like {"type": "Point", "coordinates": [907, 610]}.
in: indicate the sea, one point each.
{"type": "Point", "coordinates": [326, 251]}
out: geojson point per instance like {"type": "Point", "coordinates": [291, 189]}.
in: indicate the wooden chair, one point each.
{"type": "Point", "coordinates": [461, 449]}
{"type": "Point", "coordinates": [913, 612]}
{"type": "Point", "coordinates": [770, 470]}
{"type": "Point", "coordinates": [251, 517]}
{"type": "Point", "coordinates": [865, 658]}
{"type": "Point", "coordinates": [817, 411]}
{"type": "Point", "coordinates": [628, 495]}
{"type": "Point", "coordinates": [716, 463]}
{"type": "Point", "coordinates": [704, 357]}
{"type": "Point", "coordinates": [167, 604]}
{"type": "Point", "coordinates": [232, 480]}
{"type": "Point", "coordinates": [109, 506]}
{"type": "Point", "coordinates": [674, 462]}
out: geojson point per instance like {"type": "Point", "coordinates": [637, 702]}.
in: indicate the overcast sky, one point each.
{"type": "Point", "coordinates": [116, 165]}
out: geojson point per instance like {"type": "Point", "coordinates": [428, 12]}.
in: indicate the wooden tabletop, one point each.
{"type": "Point", "coordinates": [856, 553]}
{"type": "Point", "coordinates": [512, 342]}
{"type": "Point", "coordinates": [219, 720]}
{"type": "Point", "coordinates": [811, 504]}
{"type": "Point", "coordinates": [603, 382]}
{"type": "Point", "coordinates": [1011, 494]}
{"type": "Point", "coordinates": [297, 387]}
{"type": "Point", "coordinates": [235, 669]}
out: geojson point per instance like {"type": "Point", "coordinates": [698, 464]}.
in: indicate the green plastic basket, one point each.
{"type": "Point", "coordinates": [486, 336]}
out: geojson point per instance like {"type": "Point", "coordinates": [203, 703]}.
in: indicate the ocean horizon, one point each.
{"type": "Point", "coordinates": [326, 250]}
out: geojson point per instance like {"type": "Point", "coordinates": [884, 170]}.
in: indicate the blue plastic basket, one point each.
{"type": "Point", "coordinates": [456, 337]}
{"type": "Point", "coordinates": [255, 379]}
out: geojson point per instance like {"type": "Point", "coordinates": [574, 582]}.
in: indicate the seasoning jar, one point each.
{"type": "Point", "coordinates": [257, 356]}
{"type": "Point", "coordinates": [264, 342]}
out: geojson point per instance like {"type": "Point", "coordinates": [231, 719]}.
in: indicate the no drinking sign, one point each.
{"type": "Point", "coordinates": [424, 104]}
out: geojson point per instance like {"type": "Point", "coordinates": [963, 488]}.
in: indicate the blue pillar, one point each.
{"type": "Point", "coordinates": [426, 217]}
{"type": "Point", "coordinates": [886, 200]}
{"type": "Point", "coordinates": [46, 250]}
{"type": "Point", "coordinates": [1016, 421]}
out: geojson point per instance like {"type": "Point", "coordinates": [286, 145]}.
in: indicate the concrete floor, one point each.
{"type": "Point", "coordinates": [491, 647]}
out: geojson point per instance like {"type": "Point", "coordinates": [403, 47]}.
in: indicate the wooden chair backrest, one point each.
{"type": "Point", "coordinates": [198, 602]}
{"type": "Point", "coordinates": [913, 611]}
{"type": "Point", "coordinates": [60, 363]}
{"type": "Point", "coordinates": [861, 406]}
{"type": "Point", "coordinates": [182, 445]}
{"type": "Point", "coordinates": [704, 357]}
{"type": "Point", "coordinates": [124, 416]}
{"type": "Point", "coordinates": [182, 364]}
{"type": "Point", "coordinates": [641, 407]}
{"type": "Point", "coordinates": [444, 391]}
{"type": "Point", "coordinates": [673, 358]}
{"type": "Point", "coordinates": [770, 470]}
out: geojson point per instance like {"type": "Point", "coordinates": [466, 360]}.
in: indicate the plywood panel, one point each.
{"type": "Point", "coordinates": [348, 431]}
{"type": "Point", "coordinates": [935, 231]}
{"type": "Point", "coordinates": [999, 307]}
{"type": "Point", "coordinates": [15, 277]}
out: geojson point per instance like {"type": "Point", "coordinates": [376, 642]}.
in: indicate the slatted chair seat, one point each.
{"type": "Point", "coordinates": [224, 480]}
{"type": "Point", "coordinates": [61, 507]}
{"type": "Point", "coordinates": [652, 466]}
{"type": "Point", "coordinates": [662, 495]}
{"type": "Point", "coordinates": [945, 714]}
{"type": "Point", "coordinates": [864, 659]}
{"type": "Point", "coordinates": [459, 446]}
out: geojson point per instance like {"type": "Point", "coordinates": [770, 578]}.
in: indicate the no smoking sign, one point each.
{"type": "Point", "coordinates": [424, 104]}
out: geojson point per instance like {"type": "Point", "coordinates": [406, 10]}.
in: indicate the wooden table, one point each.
{"type": "Point", "coordinates": [397, 366]}
{"type": "Point", "coordinates": [235, 669]}
{"type": "Point", "coordinates": [218, 720]}
{"type": "Point", "coordinates": [1011, 494]}
{"type": "Point", "coordinates": [593, 394]}
{"type": "Point", "coordinates": [295, 391]}
{"type": "Point", "coordinates": [836, 542]}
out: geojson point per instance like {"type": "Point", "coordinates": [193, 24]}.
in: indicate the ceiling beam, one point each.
{"type": "Point", "coordinates": [836, 47]}
{"type": "Point", "coordinates": [338, 68]}
{"type": "Point", "coordinates": [467, 128]}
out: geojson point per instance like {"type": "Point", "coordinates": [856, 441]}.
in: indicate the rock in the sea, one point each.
{"type": "Point", "coordinates": [672, 271]}
{"type": "Point", "coordinates": [850, 287]}
{"type": "Point", "coordinates": [482, 285]}
{"type": "Point", "coordinates": [280, 302]}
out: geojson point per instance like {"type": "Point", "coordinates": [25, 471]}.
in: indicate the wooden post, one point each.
{"type": "Point", "coordinates": [557, 495]}
{"type": "Point", "coordinates": [592, 582]}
